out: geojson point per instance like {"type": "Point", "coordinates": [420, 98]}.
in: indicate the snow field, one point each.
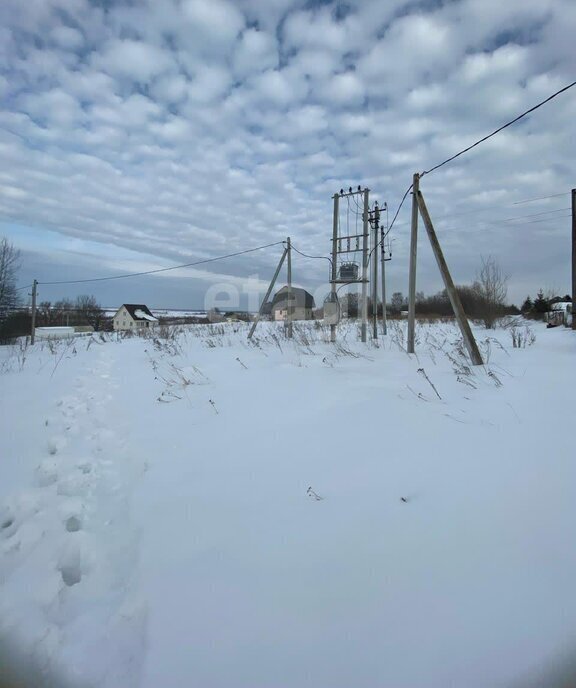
{"type": "Point", "coordinates": [161, 530]}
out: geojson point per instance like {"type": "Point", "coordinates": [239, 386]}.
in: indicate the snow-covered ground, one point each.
{"type": "Point", "coordinates": [157, 526]}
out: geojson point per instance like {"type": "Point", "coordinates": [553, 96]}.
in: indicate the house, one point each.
{"type": "Point", "coordinates": [301, 304]}
{"type": "Point", "coordinates": [560, 313]}
{"type": "Point", "coordinates": [133, 316]}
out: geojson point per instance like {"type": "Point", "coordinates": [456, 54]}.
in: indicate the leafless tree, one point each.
{"type": "Point", "coordinates": [492, 287]}
{"type": "Point", "coordinates": [9, 264]}
{"type": "Point", "coordinates": [88, 311]}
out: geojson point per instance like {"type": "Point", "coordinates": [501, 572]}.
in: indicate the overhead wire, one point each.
{"type": "Point", "coordinates": [157, 270]}
{"type": "Point", "coordinates": [541, 198]}
{"type": "Point", "coordinates": [309, 256]}
{"type": "Point", "coordinates": [484, 210]}
{"type": "Point", "coordinates": [497, 131]}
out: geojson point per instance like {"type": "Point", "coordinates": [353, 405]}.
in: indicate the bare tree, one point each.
{"type": "Point", "coordinates": [89, 312]}
{"type": "Point", "coordinates": [398, 302]}
{"type": "Point", "coordinates": [9, 264]}
{"type": "Point", "coordinates": [492, 287]}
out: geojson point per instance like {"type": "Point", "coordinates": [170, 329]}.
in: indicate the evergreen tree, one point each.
{"type": "Point", "coordinates": [527, 306]}
{"type": "Point", "coordinates": [541, 305]}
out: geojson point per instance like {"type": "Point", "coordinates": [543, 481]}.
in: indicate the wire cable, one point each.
{"type": "Point", "coordinates": [541, 198]}
{"type": "Point", "coordinates": [173, 267]}
{"type": "Point", "coordinates": [496, 131]}
{"type": "Point", "coordinates": [398, 210]}
{"type": "Point", "coordinates": [308, 256]}
{"type": "Point", "coordinates": [441, 218]}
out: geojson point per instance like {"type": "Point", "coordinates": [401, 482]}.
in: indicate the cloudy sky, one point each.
{"type": "Point", "coordinates": [136, 135]}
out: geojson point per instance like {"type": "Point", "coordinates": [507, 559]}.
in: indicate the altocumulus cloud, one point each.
{"type": "Point", "coordinates": [156, 132]}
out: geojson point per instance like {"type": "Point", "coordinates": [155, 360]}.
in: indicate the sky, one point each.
{"type": "Point", "coordinates": [140, 135]}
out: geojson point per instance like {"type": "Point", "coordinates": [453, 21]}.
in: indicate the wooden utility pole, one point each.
{"type": "Point", "coordinates": [365, 266]}
{"type": "Point", "coordinates": [290, 306]}
{"type": "Point", "coordinates": [374, 258]}
{"type": "Point", "coordinates": [573, 257]}
{"type": "Point", "coordinates": [265, 301]}
{"type": "Point", "coordinates": [33, 325]}
{"type": "Point", "coordinates": [334, 257]}
{"type": "Point", "coordinates": [383, 260]}
{"type": "Point", "coordinates": [412, 276]}
{"type": "Point", "coordinates": [467, 335]}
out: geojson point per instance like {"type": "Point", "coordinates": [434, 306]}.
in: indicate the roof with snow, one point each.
{"type": "Point", "coordinates": [139, 311]}
{"type": "Point", "coordinates": [561, 306]}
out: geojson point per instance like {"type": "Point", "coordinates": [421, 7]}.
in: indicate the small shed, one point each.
{"type": "Point", "coordinates": [133, 316]}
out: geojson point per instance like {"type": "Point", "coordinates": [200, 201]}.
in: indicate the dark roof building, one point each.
{"type": "Point", "coordinates": [139, 311]}
{"type": "Point", "coordinates": [301, 304]}
{"type": "Point", "coordinates": [133, 315]}
{"type": "Point", "coordinates": [300, 298]}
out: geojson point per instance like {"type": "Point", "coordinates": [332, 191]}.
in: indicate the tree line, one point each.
{"type": "Point", "coordinates": [16, 318]}
{"type": "Point", "coordinates": [484, 299]}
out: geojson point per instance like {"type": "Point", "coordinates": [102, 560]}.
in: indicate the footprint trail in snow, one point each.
{"type": "Point", "coordinates": [67, 547]}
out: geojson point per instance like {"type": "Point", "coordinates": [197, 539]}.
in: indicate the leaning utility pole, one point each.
{"type": "Point", "coordinates": [573, 257]}
{"type": "Point", "coordinates": [265, 301]}
{"type": "Point", "coordinates": [467, 335]}
{"type": "Point", "coordinates": [334, 268]}
{"type": "Point", "coordinates": [290, 306]}
{"type": "Point", "coordinates": [412, 276]}
{"type": "Point", "coordinates": [33, 325]}
{"type": "Point", "coordinates": [365, 265]}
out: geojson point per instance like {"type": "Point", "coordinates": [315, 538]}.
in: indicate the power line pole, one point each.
{"type": "Point", "coordinates": [365, 265]}
{"type": "Point", "coordinates": [573, 257]}
{"type": "Point", "coordinates": [383, 260]}
{"type": "Point", "coordinates": [265, 300]}
{"type": "Point", "coordinates": [33, 324]}
{"type": "Point", "coordinates": [334, 257]}
{"type": "Point", "coordinates": [467, 335]}
{"type": "Point", "coordinates": [290, 307]}
{"type": "Point", "coordinates": [374, 258]}
{"type": "Point", "coordinates": [412, 277]}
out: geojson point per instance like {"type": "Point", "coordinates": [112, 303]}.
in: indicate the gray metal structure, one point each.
{"type": "Point", "coordinates": [346, 244]}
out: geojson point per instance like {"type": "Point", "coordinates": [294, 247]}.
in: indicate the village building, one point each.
{"type": "Point", "coordinates": [133, 316]}
{"type": "Point", "coordinates": [301, 304]}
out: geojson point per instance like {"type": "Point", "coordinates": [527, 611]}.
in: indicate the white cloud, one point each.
{"type": "Point", "coordinates": [256, 52]}
{"type": "Point", "coordinates": [67, 37]}
{"type": "Point", "coordinates": [344, 89]}
{"type": "Point", "coordinates": [170, 88]}
{"type": "Point", "coordinates": [128, 127]}
{"type": "Point", "coordinates": [218, 20]}
{"type": "Point", "coordinates": [132, 60]}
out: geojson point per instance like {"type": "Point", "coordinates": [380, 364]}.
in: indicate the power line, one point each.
{"type": "Point", "coordinates": [496, 131]}
{"type": "Point", "coordinates": [484, 210]}
{"type": "Point", "coordinates": [498, 222]}
{"type": "Point", "coordinates": [308, 256]}
{"type": "Point", "coordinates": [174, 267]}
{"type": "Point", "coordinates": [397, 211]}
{"type": "Point", "coordinates": [541, 198]}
